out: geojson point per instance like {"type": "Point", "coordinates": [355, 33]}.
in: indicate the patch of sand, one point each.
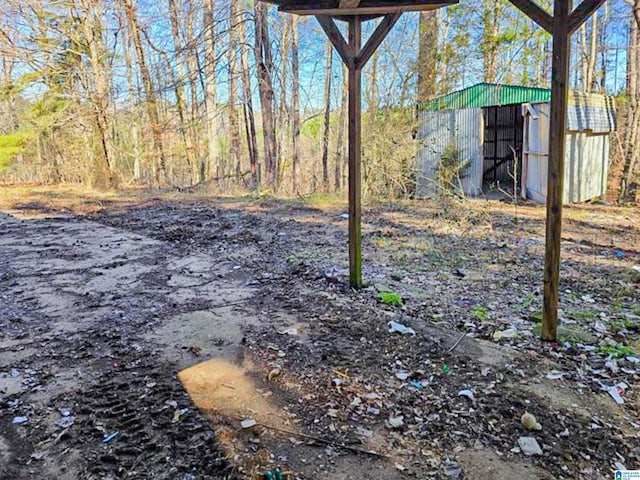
{"type": "Point", "coordinates": [219, 387]}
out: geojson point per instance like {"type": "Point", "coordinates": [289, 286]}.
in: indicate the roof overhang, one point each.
{"type": "Point", "coordinates": [342, 9]}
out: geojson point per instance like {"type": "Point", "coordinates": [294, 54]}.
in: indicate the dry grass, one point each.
{"type": "Point", "coordinates": [71, 198]}
{"type": "Point", "coordinates": [588, 224]}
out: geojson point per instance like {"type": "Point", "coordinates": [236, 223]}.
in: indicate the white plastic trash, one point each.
{"type": "Point", "coordinates": [395, 327]}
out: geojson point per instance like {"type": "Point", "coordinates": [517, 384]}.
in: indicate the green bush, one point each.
{"type": "Point", "coordinates": [615, 351]}
{"type": "Point", "coordinates": [451, 168]}
{"type": "Point", "coordinates": [390, 298]}
{"type": "Point", "coordinates": [11, 146]}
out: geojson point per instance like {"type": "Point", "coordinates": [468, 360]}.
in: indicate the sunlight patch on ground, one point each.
{"type": "Point", "coordinates": [227, 394]}
{"type": "Point", "coordinates": [218, 387]}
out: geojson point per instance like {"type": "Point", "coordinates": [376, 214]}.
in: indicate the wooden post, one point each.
{"type": "Point", "coordinates": [355, 155]}
{"type": "Point", "coordinates": [555, 186]}
{"type": "Point", "coordinates": [355, 57]}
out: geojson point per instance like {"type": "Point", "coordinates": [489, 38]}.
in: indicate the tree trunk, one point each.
{"type": "Point", "coordinates": [265, 82]}
{"type": "Point", "coordinates": [179, 83]}
{"type": "Point", "coordinates": [428, 56]}
{"type": "Point", "coordinates": [603, 50]}
{"type": "Point", "coordinates": [283, 122]}
{"type": "Point", "coordinates": [340, 157]}
{"type": "Point", "coordinates": [247, 96]}
{"type": "Point", "coordinates": [92, 28]}
{"type": "Point", "coordinates": [10, 117]}
{"type": "Point", "coordinates": [295, 103]}
{"type": "Point", "coordinates": [491, 17]}
{"type": "Point", "coordinates": [327, 118]}
{"type": "Point", "coordinates": [632, 138]}
{"type": "Point", "coordinates": [234, 122]}
{"type": "Point", "coordinates": [214, 166]}
{"type": "Point", "coordinates": [132, 94]}
{"type": "Point", "coordinates": [195, 75]}
{"type": "Point", "coordinates": [583, 40]}
{"type": "Point", "coordinates": [152, 108]}
{"type": "Point", "coordinates": [593, 56]}
{"type": "Point", "coordinates": [372, 101]}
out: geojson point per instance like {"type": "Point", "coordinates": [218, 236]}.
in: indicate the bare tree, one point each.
{"type": "Point", "coordinates": [234, 123]}
{"type": "Point", "coordinates": [264, 62]}
{"type": "Point", "coordinates": [588, 41]}
{"type": "Point", "coordinates": [428, 56]}
{"type": "Point", "coordinates": [88, 18]}
{"type": "Point", "coordinates": [340, 156]}
{"type": "Point", "coordinates": [632, 137]}
{"type": "Point", "coordinates": [179, 83]}
{"type": "Point", "coordinates": [295, 103]}
{"type": "Point", "coordinates": [152, 108]}
{"type": "Point", "coordinates": [212, 167]}
{"type": "Point", "coordinates": [284, 118]}
{"type": "Point", "coordinates": [247, 97]}
{"type": "Point", "coordinates": [327, 117]}
{"type": "Point", "coordinates": [132, 98]}
{"type": "Point", "coordinates": [489, 45]}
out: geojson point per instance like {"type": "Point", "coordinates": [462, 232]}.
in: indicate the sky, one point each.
{"type": "Point", "coordinates": [396, 59]}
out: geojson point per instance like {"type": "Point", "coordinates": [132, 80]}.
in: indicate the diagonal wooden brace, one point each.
{"type": "Point", "coordinates": [536, 13]}
{"type": "Point", "coordinates": [346, 51]}
{"type": "Point", "coordinates": [582, 13]}
{"type": "Point", "coordinates": [377, 37]}
{"type": "Point", "coordinates": [335, 36]}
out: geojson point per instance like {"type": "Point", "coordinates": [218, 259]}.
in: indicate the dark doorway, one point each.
{"type": "Point", "coordinates": [503, 135]}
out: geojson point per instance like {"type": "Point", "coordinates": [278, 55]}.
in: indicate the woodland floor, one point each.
{"type": "Point", "coordinates": [105, 300]}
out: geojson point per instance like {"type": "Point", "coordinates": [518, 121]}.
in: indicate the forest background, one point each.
{"type": "Point", "coordinates": [233, 95]}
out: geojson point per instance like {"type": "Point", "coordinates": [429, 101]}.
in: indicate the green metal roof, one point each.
{"type": "Point", "coordinates": [488, 95]}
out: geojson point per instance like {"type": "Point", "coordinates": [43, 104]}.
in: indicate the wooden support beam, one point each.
{"type": "Point", "coordinates": [349, 3]}
{"type": "Point", "coordinates": [555, 181]}
{"type": "Point", "coordinates": [355, 58]}
{"type": "Point", "coordinates": [355, 153]}
{"type": "Point", "coordinates": [335, 37]}
{"type": "Point", "coordinates": [535, 12]}
{"type": "Point", "coordinates": [377, 37]}
{"type": "Point", "coordinates": [582, 13]}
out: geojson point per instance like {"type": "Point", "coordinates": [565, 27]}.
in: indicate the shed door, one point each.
{"type": "Point", "coordinates": [537, 152]}
{"type": "Point", "coordinates": [439, 130]}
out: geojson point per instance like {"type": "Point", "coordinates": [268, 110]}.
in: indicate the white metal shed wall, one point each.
{"type": "Point", "coordinates": [438, 130]}
{"type": "Point", "coordinates": [586, 162]}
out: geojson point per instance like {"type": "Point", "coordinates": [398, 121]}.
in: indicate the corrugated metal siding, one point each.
{"type": "Point", "coordinates": [587, 166]}
{"type": "Point", "coordinates": [438, 130]}
{"type": "Point", "coordinates": [586, 163]}
{"type": "Point", "coordinates": [591, 112]}
{"type": "Point", "coordinates": [488, 95]}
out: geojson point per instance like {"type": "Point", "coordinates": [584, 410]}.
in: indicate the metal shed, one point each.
{"type": "Point", "coordinates": [591, 119]}
{"type": "Point", "coordinates": [502, 133]}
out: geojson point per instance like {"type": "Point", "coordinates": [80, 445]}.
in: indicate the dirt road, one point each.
{"type": "Point", "coordinates": [83, 305]}
{"type": "Point", "coordinates": [99, 313]}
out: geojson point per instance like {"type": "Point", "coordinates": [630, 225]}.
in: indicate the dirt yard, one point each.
{"type": "Point", "coordinates": [112, 307]}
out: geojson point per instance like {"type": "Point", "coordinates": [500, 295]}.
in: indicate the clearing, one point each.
{"type": "Point", "coordinates": [112, 305]}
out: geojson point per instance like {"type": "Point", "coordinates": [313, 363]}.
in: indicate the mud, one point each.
{"type": "Point", "coordinates": [102, 311]}
{"type": "Point", "coordinates": [95, 319]}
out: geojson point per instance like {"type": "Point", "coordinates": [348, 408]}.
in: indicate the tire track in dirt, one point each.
{"type": "Point", "coordinates": [80, 303]}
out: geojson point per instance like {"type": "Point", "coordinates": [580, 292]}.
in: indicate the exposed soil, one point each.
{"type": "Point", "coordinates": [104, 301]}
